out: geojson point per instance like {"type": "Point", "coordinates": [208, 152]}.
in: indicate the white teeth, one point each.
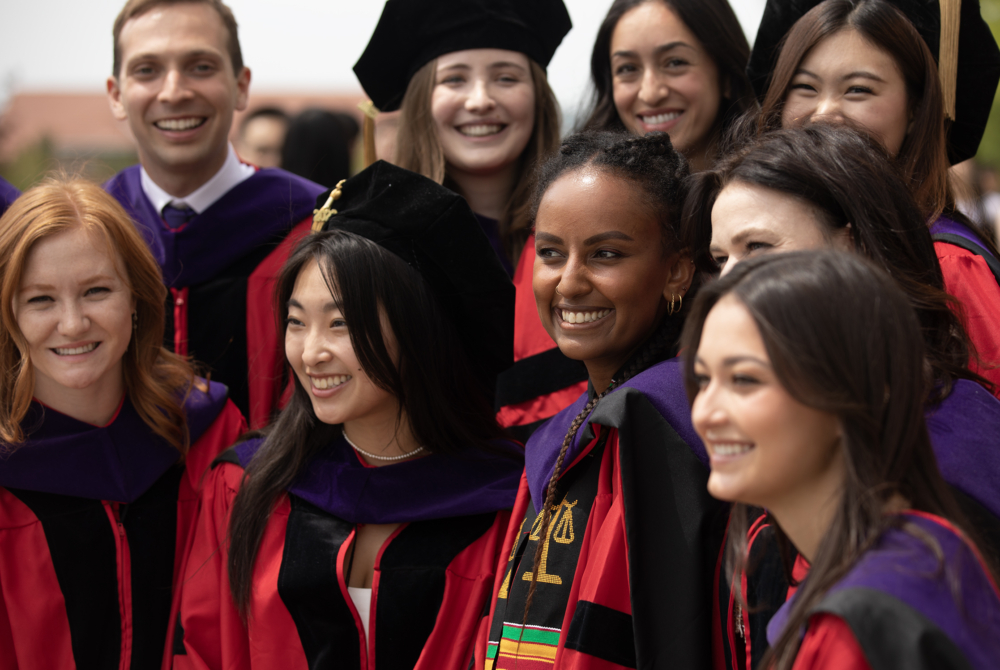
{"type": "Point", "coordinates": [480, 130]}
{"type": "Point", "coordinates": [323, 383]}
{"type": "Point", "coordinates": [77, 350]}
{"type": "Point", "coordinates": [734, 449]}
{"type": "Point", "coordinates": [179, 124]}
{"type": "Point", "coordinates": [584, 317]}
{"type": "Point", "coordinates": [660, 118]}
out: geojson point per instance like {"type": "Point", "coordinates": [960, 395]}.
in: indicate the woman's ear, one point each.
{"type": "Point", "coordinates": [843, 239]}
{"type": "Point", "coordinates": [680, 276]}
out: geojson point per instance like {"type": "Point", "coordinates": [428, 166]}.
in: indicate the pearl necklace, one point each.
{"type": "Point", "coordinates": [381, 458]}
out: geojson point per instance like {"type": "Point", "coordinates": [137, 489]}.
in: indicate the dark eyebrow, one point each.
{"type": "Point", "coordinates": [610, 235]}
{"type": "Point", "coordinates": [328, 307]}
{"type": "Point", "coordinates": [733, 360]}
{"type": "Point", "coordinates": [502, 64]}
{"type": "Point", "coordinates": [863, 74]}
{"type": "Point", "coordinates": [659, 50]}
{"type": "Point", "coordinates": [48, 287]}
{"type": "Point", "coordinates": [548, 237]}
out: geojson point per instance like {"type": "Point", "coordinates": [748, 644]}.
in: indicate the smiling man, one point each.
{"type": "Point", "coordinates": [220, 228]}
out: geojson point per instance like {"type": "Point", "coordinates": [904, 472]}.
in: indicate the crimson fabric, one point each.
{"type": "Point", "coordinates": [537, 363]}
{"type": "Point", "coordinates": [968, 278]}
{"type": "Point", "coordinates": [431, 582]}
{"type": "Point", "coordinates": [829, 644]}
{"type": "Point", "coordinates": [85, 583]}
{"type": "Point", "coordinates": [220, 268]}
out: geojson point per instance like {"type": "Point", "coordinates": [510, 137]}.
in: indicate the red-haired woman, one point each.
{"type": "Point", "coordinates": [105, 436]}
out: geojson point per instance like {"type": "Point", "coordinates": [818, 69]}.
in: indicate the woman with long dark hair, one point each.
{"type": "Point", "coordinates": [104, 436]}
{"type": "Point", "coordinates": [674, 66]}
{"type": "Point", "coordinates": [831, 187]}
{"type": "Point", "coordinates": [366, 522]}
{"type": "Point", "coordinates": [873, 62]}
{"type": "Point", "coordinates": [612, 504]}
{"type": "Point", "coordinates": [805, 372]}
{"type": "Point", "coordinates": [476, 114]}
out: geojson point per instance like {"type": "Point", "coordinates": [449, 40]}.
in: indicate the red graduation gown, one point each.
{"type": "Point", "coordinates": [85, 583]}
{"type": "Point", "coordinates": [432, 580]}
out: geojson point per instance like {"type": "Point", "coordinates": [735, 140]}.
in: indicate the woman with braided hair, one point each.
{"type": "Point", "coordinates": [612, 501]}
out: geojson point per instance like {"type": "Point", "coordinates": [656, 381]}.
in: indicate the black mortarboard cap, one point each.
{"type": "Point", "coordinates": [411, 33]}
{"type": "Point", "coordinates": [978, 60]}
{"type": "Point", "coordinates": [435, 232]}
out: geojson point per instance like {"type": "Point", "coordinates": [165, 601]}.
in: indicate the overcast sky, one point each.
{"type": "Point", "coordinates": [289, 45]}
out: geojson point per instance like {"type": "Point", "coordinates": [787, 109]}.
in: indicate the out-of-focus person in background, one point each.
{"type": "Point", "coordinates": [976, 196]}
{"type": "Point", "coordinates": [8, 194]}
{"type": "Point", "coordinates": [219, 228]}
{"type": "Point", "coordinates": [318, 146]}
{"type": "Point", "coordinates": [262, 134]}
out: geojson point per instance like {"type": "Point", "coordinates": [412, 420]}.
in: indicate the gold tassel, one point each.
{"type": "Point", "coordinates": [323, 214]}
{"type": "Point", "coordinates": [951, 15]}
{"type": "Point", "coordinates": [368, 131]}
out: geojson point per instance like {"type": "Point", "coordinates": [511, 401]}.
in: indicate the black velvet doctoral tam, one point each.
{"type": "Point", "coordinates": [435, 232]}
{"type": "Point", "coordinates": [412, 33]}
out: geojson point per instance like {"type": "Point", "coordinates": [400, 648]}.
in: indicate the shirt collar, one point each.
{"type": "Point", "coordinates": [232, 173]}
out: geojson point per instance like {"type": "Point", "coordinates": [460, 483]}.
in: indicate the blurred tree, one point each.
{"type": "Point", "coordinates": [989, 148]}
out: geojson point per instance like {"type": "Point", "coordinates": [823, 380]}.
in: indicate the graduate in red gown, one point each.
{"type": "Point", "coordinates": [816, 61]}
{"type": "Point", "coordinates": [363, 529]}
{"type": "Point", "coordinates": [476, 113]}
{"type": "Point", "coordinates": [105, 437]}
{"type": "Point", "coordinates": [826, 186]}
{"type": "Point", "coordinates": [219, 228]}
{"type": "Point", "coordinates": [608, 559]}
{"type": "Point", "coordinates": [806, 377]}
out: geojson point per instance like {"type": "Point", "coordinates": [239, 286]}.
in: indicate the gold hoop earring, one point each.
{"type": "Point", "coordinates": [676, 302]}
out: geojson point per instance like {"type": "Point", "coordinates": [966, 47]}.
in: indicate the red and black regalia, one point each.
{"type": "Point", "coordinates": [8, 194]}
{"type": "Point", "coordinates": [432, 577]}
{"type": "Point", "coordinates": [542, 380]}
{"type": "Point", "coordinates": [920, 598]}
{"type": "Point", "coordinates": [220, 268]}
{"type": "Point", "coordinates": [94, 521]}
{"type": "Point", "coordinates": [625, 575]}
{"type": "Point", "coordinates": [966, 442]}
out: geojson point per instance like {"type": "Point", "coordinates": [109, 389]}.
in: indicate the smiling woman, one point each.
{"type": "Point", "coordinates": [804, 410]}
{"type": "Point", "coordinates": [674, 66]}
{"type": "Point", "coordinates": [96, 420]}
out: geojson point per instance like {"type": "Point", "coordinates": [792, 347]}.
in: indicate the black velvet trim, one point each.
{"type": "Point", "coordinates": [602, 632]}
{"type": "Point", "coordinates": [969, 245]}
{"type": "Point", "coordinates": [178, 645]}
{"type": "Point", "coordinates": [227, 456]}
{"type": "Point", "coordinates": [732, 658]}
{"type": "Point", "coordinates": [767, 590]}
{"type": "Point", "coordinates": [82, 547]}
{"type": "Point", "coordinates": [151, 526]}
{"type": "Point", "coordinates": [308, 586]}
{"type": "Point", "coordinates": [674, 531]}
{"type": "Point", "coordinates": [217, 317]}
{"type": "Point", "coordinates": [411, 584]}
{"type": "Point", "coordinates": [893, 635]}
{"type": "Point", "coordinates": [538, 375]}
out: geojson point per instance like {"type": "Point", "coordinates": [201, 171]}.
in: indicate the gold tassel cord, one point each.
{"type": "Point", "coordinates": [951, 15]}
{"type": "Point", "coordinates": [368, 131]}
{"type": "Point", "coordinates": [323, 214]}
